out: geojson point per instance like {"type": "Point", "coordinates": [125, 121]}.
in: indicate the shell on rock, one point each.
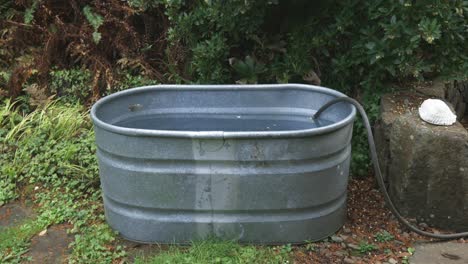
{"type": "Point", "coordinates": [437, 112]}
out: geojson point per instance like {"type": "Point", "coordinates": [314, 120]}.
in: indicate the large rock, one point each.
{"type": "Point", "coordinates": [457, 94]}
{"type": "Point", "coordinates": [440, 253]}
{"type": "Point", "coordinates": [434, 89]}
{"type": "Point", "coordinates": [426, 166]}
{"type": "Point", "coordinates": [428, 171]}
{"type": "Point", "coordinates": [392, 106]}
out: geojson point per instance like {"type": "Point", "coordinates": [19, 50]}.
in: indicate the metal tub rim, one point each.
{"type": "Point", "coordinates": [221, 134]}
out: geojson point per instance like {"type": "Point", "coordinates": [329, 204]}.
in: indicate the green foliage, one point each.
{"type": "Point", "coordinates": [365, 247]}
{"type": "Point", "coordinates": [29, 12]}
{"type": "Point", "coordinates": [356, 46]}
{"type": "Point", "coordinates": [4, 78]}
{"type": "Point", "coordinates": [72, 84]}
{"type": "Point", "coordinates": [95, 20]}
{"type": "Point", "coordinates": [130, 81]}
{"type": "Point", "coordinates": [310, 246]}
{"type": "Point", "coordinates": [382, 40]}
{"type": "Point", "coordinates": [360, 161]}
{"type": "Point", "coordinates": [7, 185]}
{"type": "Point", "coordinates": [248, 70]}
{"type": "Point", "coordinates": [211, 29]}
{"type": "Point", "coordinates": [209, 58]}
{"type": "Point", "coordinates": [405, 259]}
{"type": "Point", "coordinates": [144, 5]}
{"type": "Point", "coordinates": [14, 240]}
{"type": "Point", "coordinates": [430, 30]}
{"type": "Point", "coordinates": [384, 236]}
{"type": "Point", "coordinates": [6, 10]}
{"type": "Point", "coordinates": [233, 19]}
{"type": "Point", "coordinates": [286, 249]}
{"type": "Point", "coordinates": [9, 118]}
{"type": "Point", "coordinates": [366, 44]}
{"type": "Point", "coordinates": [210, 251]}
{"type": "Point", "coordinates": [90, 246]}
{"type": "Point", "coordinates": [52, 149]}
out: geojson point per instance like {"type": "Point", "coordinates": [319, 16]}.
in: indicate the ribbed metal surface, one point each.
{"type": "Point", "coordinates": [253, 186]}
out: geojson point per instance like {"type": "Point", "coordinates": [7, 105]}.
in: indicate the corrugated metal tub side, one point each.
{"type": "Point", "coordinates": [175, 187]}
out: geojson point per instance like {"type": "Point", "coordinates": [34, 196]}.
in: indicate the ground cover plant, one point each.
{"type": "Point", "coordinates": [58, 57]}
{"type": "Point", "coordinates": [212, 251]}
{"type": "Point", "coordinates": [49, 156]}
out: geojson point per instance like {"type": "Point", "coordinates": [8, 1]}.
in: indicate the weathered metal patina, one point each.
{"type": "Point", "coordinates": [243, 162]}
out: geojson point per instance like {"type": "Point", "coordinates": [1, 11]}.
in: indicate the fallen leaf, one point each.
{"type": "Point", "coordinates": [450, 256]}
{"type": "Point", "coordinates": [43, 232]}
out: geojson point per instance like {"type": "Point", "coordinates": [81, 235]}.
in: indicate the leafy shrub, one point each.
{"type": "Point", "coordinates": [384, 236]}
{"type": "Point", "coordinates": [73, 84]}
{"type": "Point", "coordinates": [248, 70]}
{"type": "Point", "coordinates": [95, 20]}
{"type": "Point", "coordinates": [130, 81]}
{"type": "Point", "coordinates": [211, 30]}
{"type": "Point", "coordinates": [354, 46]}
{"type": "Point", "coordinates": [208, 59]}
{"type": "Point", "coordinates": [387, 41]}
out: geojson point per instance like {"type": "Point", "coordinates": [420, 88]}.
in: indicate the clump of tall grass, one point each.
{"type": "Point", "coordinates": [55, 120]}
{"type": "Point", "coordinates": [53, 141]}
{"type": "Point", "coordinates": [50, 151]}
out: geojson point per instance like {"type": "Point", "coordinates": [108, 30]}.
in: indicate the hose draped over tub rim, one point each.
{"type": "Point", "coordinates": [220, 134]}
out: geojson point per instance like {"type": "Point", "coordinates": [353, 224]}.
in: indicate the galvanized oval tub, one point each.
{"type": "Point", "coordinates": [243, 162]}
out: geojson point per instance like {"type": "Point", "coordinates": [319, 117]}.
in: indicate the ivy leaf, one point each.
{"type": "Point", "coordinates": [94, 19]}
{"type": "Point", "coordinates": [96, 37]}
{"type": "Point", "coordinates": [370, 45]}
{"type": "Point", "coordinates": [29, 13]}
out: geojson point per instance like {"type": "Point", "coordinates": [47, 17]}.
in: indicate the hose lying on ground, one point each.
{"type": "Point", "coordinates": [378, 172]}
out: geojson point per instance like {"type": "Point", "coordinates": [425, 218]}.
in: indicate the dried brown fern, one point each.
{"type": "Point", "coordinates": [63, 38]}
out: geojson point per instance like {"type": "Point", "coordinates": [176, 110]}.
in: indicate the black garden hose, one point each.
{"type": "Point", "coordinates": [378, 172]}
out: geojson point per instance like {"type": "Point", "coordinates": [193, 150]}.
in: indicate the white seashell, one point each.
{"type": "Point", "coordinates": [437, 112]}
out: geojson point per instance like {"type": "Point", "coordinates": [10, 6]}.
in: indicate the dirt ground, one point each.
{"type": "Point", "coordinates": [356, 242]}
{"type": "Point", "coordinates": [367, 216]}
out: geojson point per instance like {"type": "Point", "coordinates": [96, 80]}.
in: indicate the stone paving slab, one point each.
{"type": "Point", "coordinates": [440, 253]}
{"type": "Point", "coordinates": [52, 247]}
{"type": "Point", "coordinates": [14, 213]}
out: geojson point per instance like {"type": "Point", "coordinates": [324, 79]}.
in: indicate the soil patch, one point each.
{"type": "Point", "coordinates": [14, 213]}
{"type": "Point", "coordinates": [358, 240]}
{"type": "Point", "coordinates": [51, 247]}
{"type": "Point", "coordinates": [135, 249]}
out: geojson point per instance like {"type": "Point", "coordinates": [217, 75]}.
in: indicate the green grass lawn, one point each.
{"type": "Point", "coordinates": [211, 251]}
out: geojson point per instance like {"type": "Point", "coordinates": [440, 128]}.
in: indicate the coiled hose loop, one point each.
{"type": "Point", "coordinates": [378, 172]}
